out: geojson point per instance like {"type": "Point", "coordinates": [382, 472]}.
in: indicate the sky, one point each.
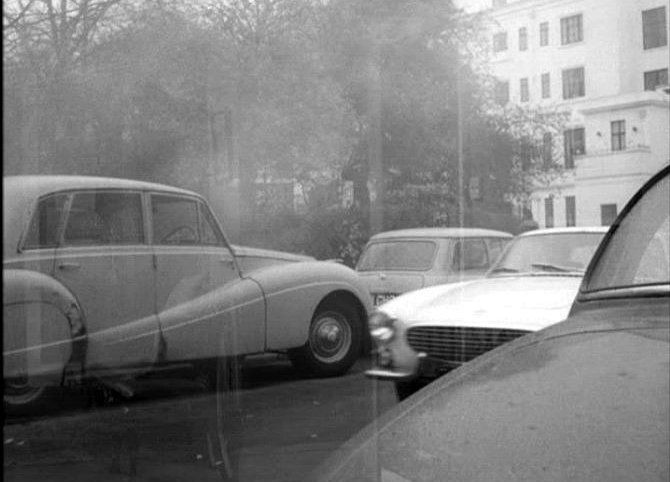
{"type": "Point", "coordinates": [472, 5]}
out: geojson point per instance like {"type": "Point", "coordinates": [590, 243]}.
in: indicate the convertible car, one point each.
{"type": "Point", "coordinates": [425, 333]}
{"type": "Point", "coordinates": [112, 278]}
{"type": "Point", "coordinates": [584, 399]}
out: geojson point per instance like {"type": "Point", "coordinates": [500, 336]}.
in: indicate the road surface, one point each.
{"type": "Point", "coordinates": [277, 428]}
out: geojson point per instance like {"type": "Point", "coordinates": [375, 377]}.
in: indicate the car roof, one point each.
{"type": "Point", "coordinates": [584, 229]}
{"type": "Point", "coordinates": [38, 185]}
{"type": "Point", "coordinates": [21, 192]}
{"type": "Point", "coordinates": [441, 233]}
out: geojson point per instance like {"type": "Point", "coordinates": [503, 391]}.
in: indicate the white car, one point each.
{"type": "Point", "coordinates": [395, 262]}
{"type": "Point", "coordinates": [426, 333]}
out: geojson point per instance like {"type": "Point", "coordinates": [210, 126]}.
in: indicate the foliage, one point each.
{"type": "Point", "coordinates": [209, 95]}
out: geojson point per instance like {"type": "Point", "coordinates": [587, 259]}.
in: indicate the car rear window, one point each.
{"type": "Point", "coordinates": [398, 255]}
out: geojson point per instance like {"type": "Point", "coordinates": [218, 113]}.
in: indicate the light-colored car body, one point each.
{"type": "Point", "coordinates": [395, 262]}
{"type": "Point", "coordinates": [585, 399]}
{"type": "Point", "coordinates": [437, 329]}
{"type": "Point", "coordinates": [108, 294]}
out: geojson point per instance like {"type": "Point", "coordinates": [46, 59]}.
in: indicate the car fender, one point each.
{"type": "Point", "coordinates": [227, 321]}
{"type": "Point", "coordinates": [294, 291]}
{"type": "Point", "coordinates": [43, 328]}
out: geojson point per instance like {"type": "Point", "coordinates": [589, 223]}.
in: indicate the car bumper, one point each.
{"type": "Point", "coordinates": [425, 368]}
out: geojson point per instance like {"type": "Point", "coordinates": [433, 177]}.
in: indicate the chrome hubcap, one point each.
{"type": "Point", "coordinates": [330, 337]}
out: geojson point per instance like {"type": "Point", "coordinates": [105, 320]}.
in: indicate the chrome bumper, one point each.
{"type": "Point", "coordinates": [427, 368]}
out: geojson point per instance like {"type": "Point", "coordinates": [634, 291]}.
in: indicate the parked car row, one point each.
{"type": "Point", "coordinates": [110, 279]}
{"type": "Point", "coordinates": [425, 333]}
{"type": "Point", "coordinates": [583, 399]}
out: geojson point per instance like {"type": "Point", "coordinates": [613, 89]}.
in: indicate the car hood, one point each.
{"type": "Point", "coordinates": [519, 302]}
{"type": "Point", "coordinates": [585, 399]}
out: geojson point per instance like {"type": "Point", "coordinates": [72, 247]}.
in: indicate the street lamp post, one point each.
{"type": "Point", "coordinates": [459, 146]}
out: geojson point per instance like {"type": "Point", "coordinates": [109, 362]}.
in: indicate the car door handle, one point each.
{"type": "Point", "coordinates": [68, 266]}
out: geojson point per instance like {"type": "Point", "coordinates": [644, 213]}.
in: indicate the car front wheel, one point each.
{"type": "Point", "coordinates": [333, 343]}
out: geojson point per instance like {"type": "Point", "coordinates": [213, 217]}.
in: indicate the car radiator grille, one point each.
{"type": "Point", "coordinates": [458, 344]}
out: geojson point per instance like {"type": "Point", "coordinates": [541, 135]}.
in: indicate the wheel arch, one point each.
{"type": "Point", "coordinates": [27, 288]}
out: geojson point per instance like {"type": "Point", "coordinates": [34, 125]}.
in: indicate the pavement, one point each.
{"type": "Point", "coordinates": [277, 428]}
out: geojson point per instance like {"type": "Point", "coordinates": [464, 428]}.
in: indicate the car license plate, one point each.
{"type": "Point", "coordinates": [383, 298]}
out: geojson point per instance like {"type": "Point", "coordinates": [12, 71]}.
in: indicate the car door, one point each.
{"type": "Point", "coordinates": [201, 300]}
{"type": "Point", "coordinates": [191, 256]}
{"type": "Point", "coordinates": [104, 259]}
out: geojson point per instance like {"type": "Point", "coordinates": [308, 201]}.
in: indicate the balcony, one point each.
{"type": "Point", "coordinates": [635, 160]}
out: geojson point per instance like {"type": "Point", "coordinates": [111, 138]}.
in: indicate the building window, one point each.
{"type": "Point", "coordinates": [573, 83]}
{"type": "Point", "coordinates": [574, 145]}
{"type": "Point", "coordinates": [654, 30]}
{"type": "Point", "coordinates": [547, 148]}
{"type": "Point", "coordinates": [571, 29]}
{"type": "Point", "coordinates": [655, 78]}
{"type": "Point", "coordinates": [607, 214]}
{"type": "Point", "coordinates": [544, 34]}
{"type": "Point", "coordinates": [502, 92]}
{"type": "Point", "coordinates": [570, 211]}
{"type": "Point", "coordinates": [500, 42]}
{"type": "Point", "coordinates": [546, 86]}
{"type": "Point", "coordinates": [549, 212]}
{"type": "Point", "coordinates": [618, 135]}
{"type": "Point", "coordinates": [523, 89]}
{"type": "Point", "coordinates": [523, 38]}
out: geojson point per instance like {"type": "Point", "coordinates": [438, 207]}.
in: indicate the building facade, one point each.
{"type": "Point", "coordinates": [606, 63]}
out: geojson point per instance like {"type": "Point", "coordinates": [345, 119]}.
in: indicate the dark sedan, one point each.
{"type": "Point", "coordinates": [585, 399]}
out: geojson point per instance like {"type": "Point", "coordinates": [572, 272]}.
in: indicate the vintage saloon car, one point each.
{"type": "Point", "coordinates": [105, 277]}
{"type": "Point", "coordinates": [395, 262]}
{"type": "Point", "coordinates": [585, 399]}
{"type": "Point", "coordinates": [425, 333]}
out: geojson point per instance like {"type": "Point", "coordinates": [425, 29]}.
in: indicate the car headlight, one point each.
{"type": "Point", "coordinates": [382, 327]}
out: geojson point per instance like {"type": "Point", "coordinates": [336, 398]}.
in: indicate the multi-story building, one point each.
{"type": "Point", "coordinates": [605, 62]}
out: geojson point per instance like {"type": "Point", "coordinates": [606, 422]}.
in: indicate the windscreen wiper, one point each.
{"type": "Point", "coordinates": [553, 267]}
{"type": "Point", "coordinates": [503, 269]}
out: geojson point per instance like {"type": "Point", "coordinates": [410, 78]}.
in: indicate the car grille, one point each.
{"type": "Point", "coordinates": [458, 344]}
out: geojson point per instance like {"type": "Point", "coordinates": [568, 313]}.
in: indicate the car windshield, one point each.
{"type": "Point", "coordinates": [397, 255]}
{"type": "Point", "coordinates": [639, 252]}
{"type": "Point", "coordinates": [548, 253]}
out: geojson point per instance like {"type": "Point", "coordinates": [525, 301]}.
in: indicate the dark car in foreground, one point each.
{"type": "Point", "coordinates": [584, 399]}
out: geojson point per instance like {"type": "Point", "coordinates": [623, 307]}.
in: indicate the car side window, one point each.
{"type": "Point", "coordinates": [174, 220]}
{"type": "Point", "coordinates": [47, 218]}
{"type": "Point", "coordinates": [470, 254]}
{"type": "Point", "coordinates": [103, 218]}
{"type": "Point", "coordinates": [209, 232]}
